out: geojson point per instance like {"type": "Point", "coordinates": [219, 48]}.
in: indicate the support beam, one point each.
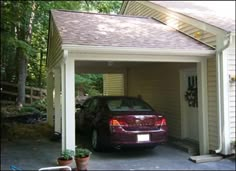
{"type": "Point", "coordinates": [57, 100]}
{"type": "Point", "coordinates": [50, 87]}
{"type": "Point", "coordinates": [226, 149]}
{"type": "Point", "coordinates": [203, 106]}
{"type": "Point", "coordinates": [68, 103]}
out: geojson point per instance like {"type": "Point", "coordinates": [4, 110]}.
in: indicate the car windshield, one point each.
{"type": "Point", "coordinates": [127, 104]}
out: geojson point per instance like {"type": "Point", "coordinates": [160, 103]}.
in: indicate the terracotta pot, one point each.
{"type": "Point", "coordinates": [82, 163]}
{"type": "Point", "coordinates": [62, 162]}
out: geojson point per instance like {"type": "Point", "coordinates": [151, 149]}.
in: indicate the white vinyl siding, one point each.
{"type": "Point", "coordinates": [159, 85]}
{"type": "Point", "coordinates": [140, 9]}
{"type": "Point", "coordinates": [113, 84]}
{"type": "Point", "coordinates": [232, 89]}
{"type": "Point", "coordinates": [212, 104]}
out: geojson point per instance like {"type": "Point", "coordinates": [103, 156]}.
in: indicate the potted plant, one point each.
{"type": "Point", "coordinates": [66, 157]}
{"type": "Point", "coordinates": [82, 156]}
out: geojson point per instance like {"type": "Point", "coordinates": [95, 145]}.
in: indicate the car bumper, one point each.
{"type": "Point", "coordinates": [132, 138]}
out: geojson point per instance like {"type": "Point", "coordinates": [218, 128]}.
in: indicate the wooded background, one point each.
{"type": "Point", "coordinates": [24, 34]}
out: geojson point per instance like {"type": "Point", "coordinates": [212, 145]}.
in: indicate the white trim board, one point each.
{"type": "Point", "coordinates": [136, 50]}
{"type": "Point", "coordinates": [133, 58]}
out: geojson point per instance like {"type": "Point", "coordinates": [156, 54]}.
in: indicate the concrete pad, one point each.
{"type": "Point", "coordinates": [35, 154]}
{"type": "Point", "coordinates": [205, 158]}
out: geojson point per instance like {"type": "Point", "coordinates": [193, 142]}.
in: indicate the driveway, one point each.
{"type": "Point", "coordinates": [34, 154]}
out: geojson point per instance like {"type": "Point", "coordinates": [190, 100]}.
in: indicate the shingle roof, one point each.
{"type": "Point", "coordinates": [220, 14]}
{"type": "Point", "coordinates": [94, 29]}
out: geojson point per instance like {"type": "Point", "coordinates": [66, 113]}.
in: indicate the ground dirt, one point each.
{"type": "Point", "coordinates": [12, 131]}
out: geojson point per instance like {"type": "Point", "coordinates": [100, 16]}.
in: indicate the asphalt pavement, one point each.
{"type": "Point", "coordinates": [35, 154]}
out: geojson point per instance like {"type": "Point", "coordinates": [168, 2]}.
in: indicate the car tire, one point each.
{"type": "Point", "coordinates": [96, 143]}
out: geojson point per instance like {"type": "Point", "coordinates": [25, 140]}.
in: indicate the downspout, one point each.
{"type": "Point", "coordinates": [219, 90]}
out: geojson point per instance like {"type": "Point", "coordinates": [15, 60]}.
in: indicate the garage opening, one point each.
{"type": "Point", "coordinates": [163, 85]}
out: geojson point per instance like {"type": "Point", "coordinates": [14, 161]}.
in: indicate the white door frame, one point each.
{"type": "Point", "coordinates": [202, 106]}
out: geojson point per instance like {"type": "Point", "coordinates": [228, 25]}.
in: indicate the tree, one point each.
{"type": "Point", "coordinates": [91, 84]}
{"type": "Point", "coordinates": [18, 29]}
{"type": "Point", "coordinates": [24, 31]}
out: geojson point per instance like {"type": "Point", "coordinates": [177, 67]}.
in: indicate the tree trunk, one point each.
{"type": "Point", "coordinates": [22, 62]}
{"type": "Point", "coordinates": [25, 35]}
{"type": "Point", "coordinates": [40, 69]}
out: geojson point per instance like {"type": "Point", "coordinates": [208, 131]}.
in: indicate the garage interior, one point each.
{"type": "Point", "coordinates": [158, 83]}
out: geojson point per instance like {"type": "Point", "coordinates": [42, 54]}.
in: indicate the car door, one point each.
{"type": "Point", "coordinates": [90, 114]}
{"type": "Point", "coordinates": [84, 110]}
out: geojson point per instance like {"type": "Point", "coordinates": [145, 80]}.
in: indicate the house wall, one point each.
{"type": "Point", "coordinates": [159, 85]}
{"type": "Point", "coordinates": [206, 34]}
{"type": "Point", "coordinates": [55, 53]}
{"type": "Point", "coordinates": [232, 89]}
{"type": "Point", "coordinates": [113, 84]}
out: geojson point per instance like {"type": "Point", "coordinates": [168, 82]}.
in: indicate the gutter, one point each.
{"type": "Point", "coordinates": [219, 66]}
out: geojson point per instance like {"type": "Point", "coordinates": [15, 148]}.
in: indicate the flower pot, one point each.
{"type": "Point", "coordinates": [62, 162]}
{"type": "Point", "coordinates": [82, 163]}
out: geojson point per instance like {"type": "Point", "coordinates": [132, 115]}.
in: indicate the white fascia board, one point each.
{"type": "Point", "coordinates": [133, 58]}
{"type": "Point", "coordinates": [136, 51]}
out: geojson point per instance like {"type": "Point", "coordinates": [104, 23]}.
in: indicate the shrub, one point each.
{"type": "Point", "coordinates": [82, 152]}
{"type": "Point", "coordinates": [67, 154]}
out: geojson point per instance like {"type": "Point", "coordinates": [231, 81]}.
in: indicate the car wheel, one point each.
{"type": "Point", "coordinates": [96, 144]}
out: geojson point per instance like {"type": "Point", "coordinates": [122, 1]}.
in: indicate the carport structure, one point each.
{"type": "Point", "coordinates": [136, 47]}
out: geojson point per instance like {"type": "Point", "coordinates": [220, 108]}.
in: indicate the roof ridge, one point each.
{"type": "Point", "coordinates": [93, 13]}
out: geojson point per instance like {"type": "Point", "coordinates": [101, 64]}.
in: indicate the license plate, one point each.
{"type": "Point", "coordinates": [143, 137]}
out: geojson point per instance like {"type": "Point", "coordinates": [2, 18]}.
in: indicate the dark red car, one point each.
{"type": "Point", "coordinates": [121, 121]}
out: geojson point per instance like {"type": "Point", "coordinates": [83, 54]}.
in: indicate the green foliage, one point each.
{"type": "Point", "coordinates": [105, 6]}
{"type": "Point", "coordinates": [92, 84]}
{"type": "Point", "coordinates": [37, 107]}
{"type": "Point", "coordinates": [67, 154]}
{"type": "Point", "coordinates": [29, 109]}
{"type": "Point", "coordinates": [40, 104]}
{"type": "Point", "coordinates": [82, 152]}
{"type": "Point", "coordinates": [24, 25]}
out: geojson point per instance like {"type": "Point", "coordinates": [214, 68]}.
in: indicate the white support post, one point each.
{"type": "Point", "coordinates": [63, 105]}
{"type": "Point", "coordinates": [225, 104]}
{"type": "Point", "coordinates": [68, 103]}
{"type": "Point", "coordinates": [203, 107]}
{"type": "Point", "coordinates": [50, 87]}
{"type": "Point", "coordinates": [57, 100]}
